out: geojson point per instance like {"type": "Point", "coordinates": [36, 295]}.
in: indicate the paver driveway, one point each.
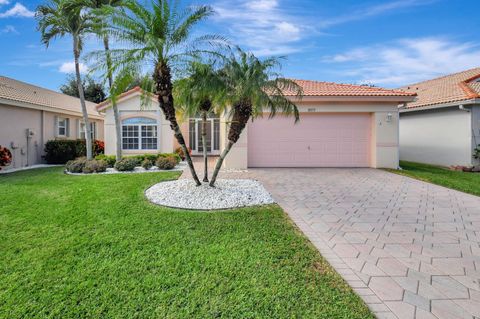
{"type": "Point", "coordinates": [409, 248]}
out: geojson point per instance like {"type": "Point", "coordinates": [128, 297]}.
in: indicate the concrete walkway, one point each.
{"type": "Point", "coordinates": [410, 249]}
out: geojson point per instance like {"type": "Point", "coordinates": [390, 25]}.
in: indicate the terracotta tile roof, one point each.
{"type": "Point", "coordinates": [450, 88]}
{"type": "Point", "coordinates": [316, 88]}
{"type": "Point", "coordinates": [14, 90]}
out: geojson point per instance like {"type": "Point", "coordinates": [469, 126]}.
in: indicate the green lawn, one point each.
{"type": "Point", "coordinates": [465, 182]}
{"type": "Point", "coordinates": [92, 246]}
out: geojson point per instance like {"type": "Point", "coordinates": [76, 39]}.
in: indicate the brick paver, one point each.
{"type": "Point", "coordinates": [410, 249]}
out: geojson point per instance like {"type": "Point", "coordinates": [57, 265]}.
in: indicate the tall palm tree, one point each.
{"type": "Point", "coordinates": [162, 37]}
{"type": "Point", "coordinates": [59, 18]}
{"type": "Point", "coordinates": [103, 8]}
{"type": "Point", "coordinates": [197, 94]}
{"type": "Point", "coordinates": [253, 87]}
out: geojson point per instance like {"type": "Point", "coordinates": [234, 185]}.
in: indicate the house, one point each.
{"type": "Point", "coordinates": [340, 125]}
{"type": "Point", "coordinates": [31, 115]}
{"type": "Point", "coordinates": [442, 126]}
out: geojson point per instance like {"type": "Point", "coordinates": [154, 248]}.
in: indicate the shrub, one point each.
{"type": "Point", "coordinates": [167, 162]}
{"type": "Point", "coordinates": [98, 147]}
{"type": "Point", "coordinates": [476, 152]}
{"type": "Point", "coordinates": [179, 152]}
{"type": "Point", "coordinates": [94, 166]}
{"type": "Point", "coordinates": [151, 157]}
{"type": "Point", "coordinates": [175, 156]}
{"type": "Point", "coordinates": [77, 165]}
{"type": "Point", "coordinates": [126, 164]}
{"type": "Point", "coordinates": [146, 164]}
{"type": "Point", "coordinates": [110, 159]}
{"type": "Point", "coordinates": [5, 156]}
{"type": "Point", "coordinates": [62, 151]}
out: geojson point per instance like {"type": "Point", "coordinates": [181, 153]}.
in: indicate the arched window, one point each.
{"type": "Point", "coordinates": [139, 133]}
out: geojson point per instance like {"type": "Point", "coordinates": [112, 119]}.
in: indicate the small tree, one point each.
{"type": "Point", "coordinates": [94, 91]}
{"type": "Point", "coordinates": [197, 94]}
{"type": "Point", "coordinates": [59, 18]}
{"type": "Point", "coordinates": [253, 87]}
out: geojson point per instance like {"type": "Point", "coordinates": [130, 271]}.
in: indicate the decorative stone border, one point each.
{"type": "Point", "coordinates": [228, 193]}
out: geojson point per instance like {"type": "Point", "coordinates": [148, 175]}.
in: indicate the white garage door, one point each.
{"type": "Point", "coordinates": [317, 140]}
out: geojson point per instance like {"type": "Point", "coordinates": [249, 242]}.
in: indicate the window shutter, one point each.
{"type": "Point", "coordinates": [78, 128]}
{"type": "Point", "coordinates": [55, 126]}
{"type": "Point", "coordinates": [67, 127]}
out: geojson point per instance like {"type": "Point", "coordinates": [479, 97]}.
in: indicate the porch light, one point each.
{"type": "Point", "coordinates": [389, 117]}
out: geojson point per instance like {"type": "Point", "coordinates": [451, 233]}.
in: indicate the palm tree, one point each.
{"type": "Point", "coordinates": [196, 94]}
{"type": "Point", "coordinates": [104, 8]}
{"type": "Point", "coordinates": [161, 36]}
{"type": "Point", "coordinates": [252, 87]}
{"type": "Point", "coordinates": [59, 18]}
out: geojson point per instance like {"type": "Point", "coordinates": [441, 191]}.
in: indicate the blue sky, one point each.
{"type": "Point", "coordinates": [387, 43]}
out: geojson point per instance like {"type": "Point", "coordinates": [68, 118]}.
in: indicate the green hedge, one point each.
{"type": "Point", "coordinates": [62, 151]}
{"type": "Point", "coordinates": [111, 159]}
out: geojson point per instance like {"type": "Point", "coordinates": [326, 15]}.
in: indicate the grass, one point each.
{"type": "Point", "coordinates": [92, 246]}
{"type": "Point", "coordinates": [465, 182]}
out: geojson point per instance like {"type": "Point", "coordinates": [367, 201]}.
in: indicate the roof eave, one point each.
{"type": "Point", "coordinates": [101, 107]}
{"type": "Point", "coordinates": [5, 101]}
{"type": "Point", "coordinates": [439, 106]}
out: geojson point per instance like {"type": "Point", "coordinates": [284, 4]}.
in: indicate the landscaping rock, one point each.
{"type": "Point", "coordinates": [228, 193]}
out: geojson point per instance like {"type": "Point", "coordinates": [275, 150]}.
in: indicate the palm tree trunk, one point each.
{"type": "Point", "coordinates": [218, 166]}
{"type": "Point", "coordinates": [88, 132]}
{"type": "Point", "coordinates": [204, 145]}
{"type": "Point", "coordinates": [163, 81]}
{"type": "Point", "coordinates": [242, 111]}
{"type": "Point", "coordinates": [116, 115]}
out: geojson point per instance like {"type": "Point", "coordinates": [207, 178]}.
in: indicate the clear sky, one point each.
{"type": "Point", "coordinates": [388, 43]}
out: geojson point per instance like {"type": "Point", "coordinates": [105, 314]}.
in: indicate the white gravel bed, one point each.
{"type": "Point", "coordinates": [228, 193]}
{"type": "Point", "coordinates": [180, 167]}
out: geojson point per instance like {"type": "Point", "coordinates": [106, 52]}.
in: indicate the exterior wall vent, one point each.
{"type": "Point", "coordinates": [311, 109]}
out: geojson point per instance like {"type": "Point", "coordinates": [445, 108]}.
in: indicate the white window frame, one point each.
{"type": "Point", "coordinates": [63, 126]}
{"type": "Point", "coordinates": [139, 137]}
{"type": "Point", "coordinates": [81, 130]}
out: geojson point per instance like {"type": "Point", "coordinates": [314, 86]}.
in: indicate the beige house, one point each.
{"type": "Point", "coordinates": [31, 115]}
{"type": "Point", "coordinates": [442, 126]}
{"type": "Point", "coordinates": [340, 126]}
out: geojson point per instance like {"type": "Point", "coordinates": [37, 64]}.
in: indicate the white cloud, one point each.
{"type": "Point", "coordinates": [18, 10]}
{"type": "Point", "coordinates": [263, 26]}
{"type": "Point", "coordinates": [2, 2]}
{"type": "Point", "coordinates": [407, 61]}
{"type": "Point", "coordinates": [9, 29]}
{"type": "Point", "coordinates": [69, 67]}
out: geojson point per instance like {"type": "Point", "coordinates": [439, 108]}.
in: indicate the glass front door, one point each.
{"type": "Point", "coordinates": [212, 138]}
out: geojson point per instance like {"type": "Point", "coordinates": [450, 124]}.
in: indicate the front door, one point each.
{"type": "Point", "coordinates": [212, 139]}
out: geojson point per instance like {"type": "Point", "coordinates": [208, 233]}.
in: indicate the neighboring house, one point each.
{"type": "Point", "coordinates": [340, 126]}
{"type": "Point", "coordinates": [31, 115]}
{"type": "Point", "coordinates": [442, 126]}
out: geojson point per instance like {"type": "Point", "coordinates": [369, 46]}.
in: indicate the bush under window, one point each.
{"type": "Point", "coordinates": [126, 164]}
{"type": "Point", "coordinates": [167, 162]}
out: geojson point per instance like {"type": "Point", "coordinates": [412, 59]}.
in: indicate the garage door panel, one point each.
{"type": "Point", "coordinates": [318, 140]}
